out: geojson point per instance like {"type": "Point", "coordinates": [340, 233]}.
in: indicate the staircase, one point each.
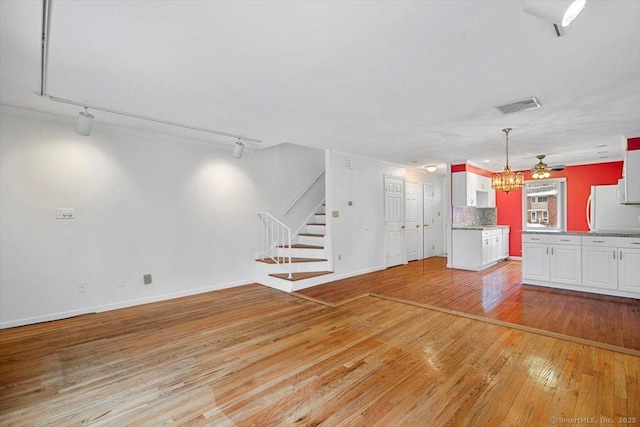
{"type": "Point", "coordinates": [309, 263]}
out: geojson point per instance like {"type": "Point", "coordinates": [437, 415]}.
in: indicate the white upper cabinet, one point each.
{"type": "Point", "coordinates": [470, 189]}
{"type": "Point", "coordinates": [631, 174]}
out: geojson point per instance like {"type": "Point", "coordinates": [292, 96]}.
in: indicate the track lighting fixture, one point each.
{"type": "Point", "coordinates": [85, 123]}
{"type": "Point", "coordinates": [558, 12]}
{"type": "Point", "coordinates": [238, 149]}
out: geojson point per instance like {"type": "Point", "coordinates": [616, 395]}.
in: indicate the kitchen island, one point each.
{"type": "Point", "coordinates": [598, 262]}
{"type": "Point", "coordinates": [478, 247]}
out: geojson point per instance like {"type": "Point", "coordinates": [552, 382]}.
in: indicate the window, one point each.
{"type": "Point", "coordinates": [544, 205]}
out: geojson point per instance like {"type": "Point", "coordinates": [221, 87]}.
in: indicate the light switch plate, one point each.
{"type": "Point", "coordinates": [335, 214]}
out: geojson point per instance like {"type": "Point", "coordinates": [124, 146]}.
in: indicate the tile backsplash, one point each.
{"type": "Point", "coordinates": [469, 216]}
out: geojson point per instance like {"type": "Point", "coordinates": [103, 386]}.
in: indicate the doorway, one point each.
{"type": "Point", "coordinates": [413, 221]}
{"type": "Point", "coordinates": [429, 220]}
{"type": "Point", "coordinates": [394, 220]}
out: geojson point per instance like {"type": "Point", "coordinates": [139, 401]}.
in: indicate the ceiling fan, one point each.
{"type": "Point", "coordinates": [541, 170]}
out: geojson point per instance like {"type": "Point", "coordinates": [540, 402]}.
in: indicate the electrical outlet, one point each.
{"type": "Point", "coordinates": [339, 257]}
{"type": "Point", "coordinates": [82, 287]}
{"type": "Point", "coordinates": [147, 279]}
{"type": "Point", "coordinates": [121, 282]}
{"type": "Point", "coordinates": [65, 213]}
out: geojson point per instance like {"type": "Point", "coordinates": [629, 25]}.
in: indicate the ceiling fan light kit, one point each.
{"type": "Point", "coordinates": [507, 180]}
{"type": "Point", "coordinates": [540, 169]}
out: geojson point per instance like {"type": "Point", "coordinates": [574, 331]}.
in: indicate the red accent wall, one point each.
{"type": "Point", "coordinates": [633, 144]}
{"type": "Point", "coordinates": [579, 182]}
{"type": "Point", "coordinates": [467, 167]}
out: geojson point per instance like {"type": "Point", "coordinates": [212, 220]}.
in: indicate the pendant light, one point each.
{"type": "Point", "coordinates": [540, 170]}
{"type": "Point", "coordinates": [507, 180]}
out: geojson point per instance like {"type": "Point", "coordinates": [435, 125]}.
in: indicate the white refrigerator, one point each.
{"type": "Point", "coordinates": [605, 213]}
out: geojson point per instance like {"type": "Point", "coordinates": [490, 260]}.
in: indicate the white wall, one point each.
{"type": "Point", "coordinates": [358, 233]}
{"type": "Point", "coordinates": [181, 210]}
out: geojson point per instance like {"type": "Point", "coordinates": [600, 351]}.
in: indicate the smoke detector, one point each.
{"type": "Point", "coordinates": [514, 107]}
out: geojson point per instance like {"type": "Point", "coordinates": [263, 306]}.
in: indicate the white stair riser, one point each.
{"type": "Point", "coordinates": [296, 267]}
{"type": "Point", "coordinates": [313, 281]}
{"type": "Point", "coordinates": [320, 219]}
{"type": "Point", "coordinates": [316, 229]}
{"type": "Point", "coordinates": [302, 252]}
{"type": "Point", "coordinates": [274, 282]}
{"type": "Point", "coordinates": [311, 240]}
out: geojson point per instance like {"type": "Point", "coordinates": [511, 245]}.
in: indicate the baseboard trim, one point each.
{"type": "Point", "coordinates": [118, 305]}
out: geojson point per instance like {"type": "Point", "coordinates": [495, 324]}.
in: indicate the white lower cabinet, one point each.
{"type": "Point", "coordinates": [601, 264]}
{"type": "Point", "coordinates": [600, 268]}
{"type": "Point", "coordinates": [555, 259]}
{"type": "Point", "coordinates": [475, 249]}
{"type": "Point", "coordinates": [565, 263]}
{"type": "Point", "coordinates": [535, 261]}
{"type": "Point", "coordinates": [611, 263]}
{"type": "Point", "coordinates": [629, 270]}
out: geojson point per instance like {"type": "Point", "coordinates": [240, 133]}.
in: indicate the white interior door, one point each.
{"type": "Point", "coordinates": [394, 220]}
{"type": "Point", "coordinates": [412, 221]}
{"type": "Point", "coordinates": [428, 220]}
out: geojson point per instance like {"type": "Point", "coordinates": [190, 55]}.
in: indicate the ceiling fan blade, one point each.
{"type": "Point", "coordinates": [557, 168]}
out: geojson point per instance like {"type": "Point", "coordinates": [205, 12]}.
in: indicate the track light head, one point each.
{"type": "Point", "coordinates": [85, 123]}
{"type": "Point", "coordinates": [238, 149]}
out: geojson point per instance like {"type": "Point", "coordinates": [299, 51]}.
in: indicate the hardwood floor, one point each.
{"type": "Point", "coordinates": [254, 356]}
{"type": "Point", "coordinates": [497, 293]}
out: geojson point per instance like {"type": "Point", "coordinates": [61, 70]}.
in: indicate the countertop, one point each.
{"type": "Point", "coordinates": [588, 233]}
{"type": "Point", "coordinates": [480, 227]}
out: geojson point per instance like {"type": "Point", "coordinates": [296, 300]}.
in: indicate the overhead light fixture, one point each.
{"type": "Point", "coordinates": [431, 168]}
{"type": "Point", "coordinates": [238, 149]}
{"type": "Point", "coordinates": [540, 170]}
{"type": "Point", "coordinates": [557, 12]}
{"type": "Point", "coordinates": [85, 123]}
{"type": "Point", "coordinates": [507, 180]}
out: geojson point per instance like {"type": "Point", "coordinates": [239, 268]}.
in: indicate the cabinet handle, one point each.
{"type": "Point", "coordinates": [547, 250]}
{"type": "Point", "coordinates": [564, 240]}
{"type": "Point", "coordinates": [635, 243]}
{"type": "Point", "coordinates": [614, 254]}
{"type": "Point", "coordinates": [534, 238]}
{"type": "Point", "coordinates": [620, 257]}
{"type": "Point", "coordinates": [551, 251]}
{"type": "Point", "coordinates": [598, 241]}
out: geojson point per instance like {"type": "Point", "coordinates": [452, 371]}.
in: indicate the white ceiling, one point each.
{"type": "Point", "coordinates": [406, 82]}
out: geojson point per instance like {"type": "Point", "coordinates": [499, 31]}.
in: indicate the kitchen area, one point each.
{"type": "Point", "coordinates": [603, 260]}
{"type": "Point", "coordinates": [477, 241]}
{"type": "Point", "coordinates": [578, 229]}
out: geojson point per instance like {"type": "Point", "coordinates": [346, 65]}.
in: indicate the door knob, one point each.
{"type": "Point", "coordinates": [402, 226]}
{"type": "Point", "coordinates": [417, 225]}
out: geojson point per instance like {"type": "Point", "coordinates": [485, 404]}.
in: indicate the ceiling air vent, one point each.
{"type": "Point", "coordinates": [514, 107]}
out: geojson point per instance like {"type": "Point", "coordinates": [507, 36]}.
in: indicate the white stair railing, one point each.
{"type": "Point", "coordinates": [274, 234]}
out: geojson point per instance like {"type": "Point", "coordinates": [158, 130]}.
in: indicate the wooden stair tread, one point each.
{"type": "Point", "coordinates": [293, 260]}
{"type": "Point", "coordinates": [316, 223]}
{"type": "Point", "coordinates": [301, 246]}
{"type": "Point", "coordinates": [300, 276]}
{"type": "Point", "coordinates": [311, 234]}
{"type": "Point", "coordinates": [320, 214]}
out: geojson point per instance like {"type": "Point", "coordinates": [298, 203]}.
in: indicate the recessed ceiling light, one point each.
{"type": "Point", "coordinates": [487, 161]}
{"type": "Point", "coordinates": [431, 168]}
{"type": "Point", "coordinates": [601, 146]}
{"type": "Point", "coordinates": [414, 161]}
